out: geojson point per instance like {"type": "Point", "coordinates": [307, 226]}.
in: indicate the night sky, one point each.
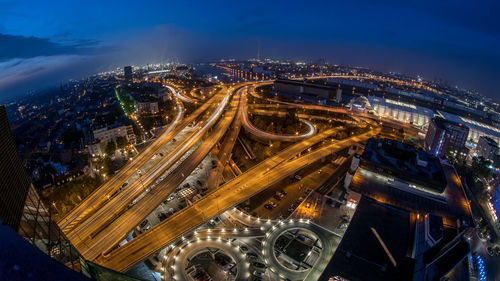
{"type": "Point", "coordinates": [44, 43]}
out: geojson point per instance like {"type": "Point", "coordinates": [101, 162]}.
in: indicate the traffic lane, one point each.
{"type": "Point", "coordinates": [228, 194]}
{"type": "Point", "coordinates": [84, 209]}
{"type": "Point", "coordinates": [157, 195]}
{"type": "Point", "coordinates": [118, 203]}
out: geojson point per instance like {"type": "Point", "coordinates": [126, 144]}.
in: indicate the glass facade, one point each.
{"type": "Point", "coordinates": [21, 208]}
{"type": "Point", "coordinates": [38, 228]}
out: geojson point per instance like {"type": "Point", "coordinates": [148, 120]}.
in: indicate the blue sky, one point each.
{"type": "Point", "coordinates": [46, 42]}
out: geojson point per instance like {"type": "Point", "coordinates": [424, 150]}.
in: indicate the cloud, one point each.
{"type": "Point", "coordinates": [16, 47]}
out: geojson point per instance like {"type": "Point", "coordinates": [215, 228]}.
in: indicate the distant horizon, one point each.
{"type": "Point", "coordinates": [21, 94]}
{"type": "Point", "coordinates": [456, 41]}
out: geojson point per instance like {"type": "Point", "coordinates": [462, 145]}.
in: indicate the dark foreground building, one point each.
{"type": "Point", "coordinates": [409, 222]}
{"type": "Point", "coordinates": [32, 246]}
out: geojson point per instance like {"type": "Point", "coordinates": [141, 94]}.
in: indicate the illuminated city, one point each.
{"type": "Point", "coordinates": [178, 153]}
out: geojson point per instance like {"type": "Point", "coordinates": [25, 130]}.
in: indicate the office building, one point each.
{"type": "Point", "coordinates": [487, 148]}
{"type": "Point", "coordinates": [397, 174]}
{"type": "Point", "coordinates": [127, 73]}
{"type": "Point", "coordinates": [446, 137]}
{"type": "Point", "coordinates": [410, 216]}
{"type": "Point", "coordinates": [383, 243]}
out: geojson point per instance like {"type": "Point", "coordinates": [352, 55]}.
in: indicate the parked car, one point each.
{"type": "Point", "coordinates": [259, 264]}
{"type": "Point", "coordinates": [252, 256]}
{"type": "Point", "coordinates": [143, 223]}
{"type": "Point", "coordinates": [258, 273]}
{"type": "Point", "coordinates": [268, 206]}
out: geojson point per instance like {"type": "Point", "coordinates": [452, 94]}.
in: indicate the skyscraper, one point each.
{"type": "Point", "coordinates": [127, 73]}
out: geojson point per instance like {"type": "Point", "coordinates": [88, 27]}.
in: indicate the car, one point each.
{"type": "Point", "coordinates": [170, 198]}
{"type": "Point", "coordinates": [301, 237]}
{"type": "Point", "coordinates": [283, 192]}
{"type": "Point", "coordinates": [279, 194]}
{"type": "Point", "coordinates": [161, 154]}
{"type": "Point", "coordinates": [244, 248]}
{"type": "Point", "coordinates": [275, 196]}
{"type": "Point", "coordinates": [125, 184]}
{"type": "Point", "coordinates": [162, 216]}
{"type": "Point", "coordinates": [186, 185]}
{"type": "Point", "coordinates": [259, 264]}
{"type": "Point", "coordinates": [174, 140]}
{"type": "Point", "coordinates": [298, 177]}
{"type": "Point", "coordinates": [300, 199]}
{"type": "Point", "coordinates": [345, 217]}
{"type": "Point", "coordinates": [139, 172]}
{"type": "Point", "coordinates": [258, 273]}
{"type": "Point", "coordinates": [143, 223]}
{"type": "Point", "coordinates": [273, 204]}
{"type": "Point", "coordinates": [171, 210]}
{"type": "Point", "coordinates": [268, 206]}
{"type": "Point", "coordinates": [199, 182]}
{"type": "Point", "coordinates": [252, 256]}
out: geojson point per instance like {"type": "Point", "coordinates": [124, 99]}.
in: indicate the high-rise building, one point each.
{"type": "Point", "coordinates": [487, 148]}
{"type": "Point", "coordinates": [22, 209]}
{"type": "Point", "coordinates": [445, 136]}
{"type": "Point", "coordinates": [127, 71]}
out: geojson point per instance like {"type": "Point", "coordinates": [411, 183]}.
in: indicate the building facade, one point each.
{"type": "Point", "coordinates": [445, 136]}
{"type": "Point", "coordinates": [108, 134]}
{"type": "Point", "coordinates": [127, 73]}
{"type": "Point", "coordinates": [147, 107]}
{"type": "Point", "coordinates": [21, 207]}
{"type": "Point", "coordinates": [487, 148]}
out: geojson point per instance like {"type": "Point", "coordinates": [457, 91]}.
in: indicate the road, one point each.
{"type": "Point", "coordinates": [249, 127]}
{"type": "Point", "coordinates": [246, 185]}
{"type": "Point", "coordinates": [116, 226]}
{"type": "Point", "coordinates": [99, 196]}
{"type": "Point", "coordinates": [100, 199]}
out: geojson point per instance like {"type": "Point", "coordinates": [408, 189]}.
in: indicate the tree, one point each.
{"type": "Point", "coordinates": [481, 167]}
{"type": "Point", "coordinates": [121, 142]}
{"type": "Point", "coordinates": [110, 148]}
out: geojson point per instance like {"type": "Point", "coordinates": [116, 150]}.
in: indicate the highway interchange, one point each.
{"type": "Point", "coordinates": [104, 219]}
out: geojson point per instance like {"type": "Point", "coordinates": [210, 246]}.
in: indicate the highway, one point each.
{"type": "Point", "coordinates": [96, 198]}
{"type": "Point", "coordinates": [178, 94]}
{"type": "Point", "coordinates": [249, 127]}
{"type": "Point", "coordinates": [102, 195]}
{"type": "Point", "coordinates": [237, 190]}
{"type": "Point", "coordinates": [113, 227]}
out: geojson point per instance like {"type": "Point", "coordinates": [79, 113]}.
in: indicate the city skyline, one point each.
{"type": "Point", "coordinates": [44, 45]}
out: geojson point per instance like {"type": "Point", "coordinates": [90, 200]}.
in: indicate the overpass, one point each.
{"type": "Point", "coordinates": [235, 191]}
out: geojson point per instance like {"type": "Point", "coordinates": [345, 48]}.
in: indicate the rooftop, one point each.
{"type": "Point", "coordinates": [404, 162]}
{"type": "Point", "coordinates": [374, 246]}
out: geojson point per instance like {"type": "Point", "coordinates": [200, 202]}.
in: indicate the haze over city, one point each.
{"type": "Point", "coordinates": [45, 43]}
